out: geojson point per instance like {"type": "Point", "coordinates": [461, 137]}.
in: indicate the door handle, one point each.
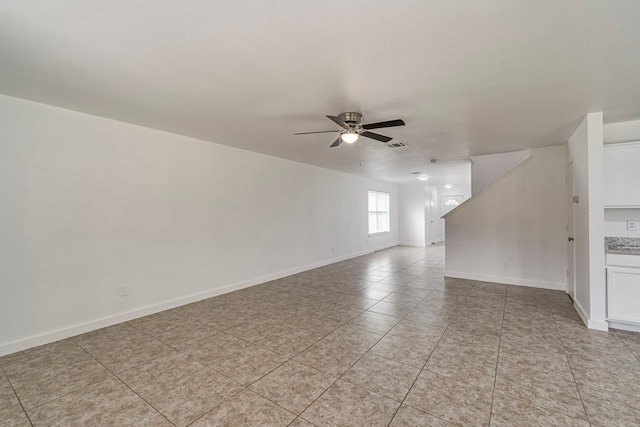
{"type": "Point", "coordinates": [570, 239]}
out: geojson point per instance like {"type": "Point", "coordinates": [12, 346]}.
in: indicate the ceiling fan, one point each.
{"type": "Point", "coordinates": [352, 128]}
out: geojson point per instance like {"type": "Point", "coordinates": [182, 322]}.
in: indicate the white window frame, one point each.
{"type": "Point", "coordinates": [377, 212]}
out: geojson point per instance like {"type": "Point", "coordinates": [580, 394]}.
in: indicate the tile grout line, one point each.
{"type": "Point", "coordinates": [114, 375]}
{"type": "Point", "coordinates": [495, 377]}
{"type": "Point", "coordinates": [584, 407]}
{"type": "Point", "coordinates": [16, 395]}
{"type": "Point", "coordinates": [337, 378]}
{"type": "Point", "coordinates": [245, 388]}
{"type": "Point", "coordinates": [340, 377]}
{"type": "Point", "coordinates": [186, 355]}
{"type": "Point", "coordinates": [248, 386]}
{"type": "Point", "coordinates": [201, 363]}
{"type": "Point", "coordinates": [70, 391]}
{"type": "Point", "coordinates": [637, 356]}
{"type": "Point", "coordinates": [427, 361]}
{"type": "Point", "coordinates": [74, 390]}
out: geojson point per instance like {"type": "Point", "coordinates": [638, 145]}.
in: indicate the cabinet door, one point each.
{"type": "Point", "coordinates": [622, 174]}
{"type": "Point", "coordinates": [623, 294]}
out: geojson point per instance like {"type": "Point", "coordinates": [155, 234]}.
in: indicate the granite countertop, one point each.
{"type": "Point", "coordinates": [622, 245]}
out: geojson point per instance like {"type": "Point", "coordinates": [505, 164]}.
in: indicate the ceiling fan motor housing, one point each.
{"type": "Point", "coordinates": [352, 119]}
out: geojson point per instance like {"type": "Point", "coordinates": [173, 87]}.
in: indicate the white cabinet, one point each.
{"type": "Point", "coordinates": [622, 175]}
{"type": "Point", "coordinates": [623, 294]}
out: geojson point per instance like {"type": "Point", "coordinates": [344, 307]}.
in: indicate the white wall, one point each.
{"type": "Point", "coordinates": [520, 220]}
{"type": "Point", "coordinates": [487, 169]}
{"type": "Point", "coordinates": [90, 204]}
{"type": "Point", "coordinates": [458, 190]}
{"type": "Point", "coordinates": [577, 153]}
{"type": "Point", "coordinates": [615, 222]}
{"type": "Point", "coordinates": [431, 215]}
{"type": "Point", "coordinates": [411, 211]}
{"type": "Point", "coordinates": [585, 150]}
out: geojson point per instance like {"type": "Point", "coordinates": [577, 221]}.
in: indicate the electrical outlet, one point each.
{"type": "Point", "coordinates": [505, 263]}
{"type": "Point", "coordinates": [124, 290]}
{"type": "Point", "coordinates": [331, 248]}
{"type": "Point", "coordinates": [632, 226]}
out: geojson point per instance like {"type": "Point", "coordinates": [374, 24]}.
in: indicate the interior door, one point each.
{"type": "Point", "coordinates": [430, 219]}
{"type": "Point", "coordinates": [571, 282]}
{"type": "Point", "coordinates": [433, 218]}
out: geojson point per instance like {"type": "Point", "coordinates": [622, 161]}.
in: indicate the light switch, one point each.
{"type": "Point", "coordinates": [632, 226]}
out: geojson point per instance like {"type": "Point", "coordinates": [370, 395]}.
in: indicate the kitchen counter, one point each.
{"type": "Point", "coordinates": [622, 245]}
{"type": "Point", "coordinates": [623, 282]}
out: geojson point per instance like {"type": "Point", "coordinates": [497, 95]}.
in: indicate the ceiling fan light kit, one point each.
{"type": "Point", "coordinates": [352, 128]}
{"type": "Point", "coordinates": [349, 137]}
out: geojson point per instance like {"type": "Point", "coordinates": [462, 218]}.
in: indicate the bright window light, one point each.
{"type": "Point", "coordinates": [378, 212]}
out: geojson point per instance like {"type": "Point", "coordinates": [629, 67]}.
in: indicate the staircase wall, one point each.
{"type": "Point", "coordinates": [487, 169]}
{"type": "Point", "coordinates": [514, 231]}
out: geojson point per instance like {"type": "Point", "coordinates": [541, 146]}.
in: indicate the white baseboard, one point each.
{"type": "Point", "coordinates": [82, 328]}
{"type": "Point", "coordinates": [581, 312]}
{"type": "Point", "coordinates": [419, 245]}
{"type": "Point", "coordinates": [506, 280]}
{"type": "Point", "coordinates": [103, 322]}
{"type": "Point", "coordinates": [598, 325]}
{"type": "Point", "coordinates": [624, 326]}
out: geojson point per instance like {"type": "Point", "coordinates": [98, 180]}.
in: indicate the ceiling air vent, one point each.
{"type": "Point", "coordinates": [396, 145]}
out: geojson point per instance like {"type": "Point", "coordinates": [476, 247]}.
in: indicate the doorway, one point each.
{"type": "Point", "coordinates": [447, 204]}
{"type": "Point", "coordinates": [571, 255]}
{"type": "Point", "coordinates": [430, 225]}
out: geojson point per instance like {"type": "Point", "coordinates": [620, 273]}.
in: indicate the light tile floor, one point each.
{"type": "Point", "coordinates": [379, 340]}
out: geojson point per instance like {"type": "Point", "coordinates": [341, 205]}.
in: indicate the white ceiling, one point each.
{"type": "Point", "coordinates": [468, 77]}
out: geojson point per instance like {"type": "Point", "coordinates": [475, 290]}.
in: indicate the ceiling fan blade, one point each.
{"type": "Point", "coordinates": [387, 124]}
{"type": "Point", "coordinates": [376, 136]}
{"type": "Point", "coordinates": [339, 121]}
{"type": "Point", "coordinates": [336, 143]}
{"type": "Point", "coordinates": [321, 131]}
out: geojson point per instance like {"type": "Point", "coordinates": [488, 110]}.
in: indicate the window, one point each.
{"type": "Point", "coordinates": [451, 202]}
{"type": "Point", "coordinates": [378, 212]}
